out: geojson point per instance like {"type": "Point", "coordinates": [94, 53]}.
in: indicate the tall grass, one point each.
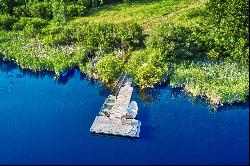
{"type": "Point", "coordinates": [220, 82]}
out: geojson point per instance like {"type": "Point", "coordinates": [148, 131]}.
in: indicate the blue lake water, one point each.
{"type": "Point", "coordinates": [43, 121]}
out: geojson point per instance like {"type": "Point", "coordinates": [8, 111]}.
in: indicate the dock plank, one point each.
{"type": "Point", "coordinates": [109, 119]}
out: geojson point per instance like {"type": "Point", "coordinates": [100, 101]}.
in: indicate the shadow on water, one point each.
{"type": "Point", "coordinates": [7, 67]}
{"type": "Point", "coordinates": [234, 107]}
{"type": "Point", "coordinates": [150, 95]}
{"type": "Point", "coordinates": [13, 70]}
{"type": "Point", "coordinates": [175, 92]}
{"type": "Point", "coordinates": [202, 102]}
{"type": "Point", "coordinates": [66, 76]}
{"type": "Point", "coordinates": [103, 90]}
{"type": "Point", "coordinates": [199, 101]}
{"type": "Point", "coordinates": [114, 136]}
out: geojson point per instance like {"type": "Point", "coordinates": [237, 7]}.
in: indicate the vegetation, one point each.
{"type": "Point", "coordinates": [109, 68]}
{"type": "Point", "coordinates": [60, 47]}
{"type": "Point", "coordinates": [200, 45]}
{"type": "Point", "coordinates": [220, 82]}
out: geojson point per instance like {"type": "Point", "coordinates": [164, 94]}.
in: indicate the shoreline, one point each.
{"type": "Point", "coordinates": [214, 101]}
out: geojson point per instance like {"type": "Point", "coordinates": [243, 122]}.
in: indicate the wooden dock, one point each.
{"type": "Point", "coordinates": [109, 120]}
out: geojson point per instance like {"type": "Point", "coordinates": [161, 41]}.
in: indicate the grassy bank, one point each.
{"type": "Point", "coordinates": [164, 41]}
{"type": "Point", "coordinates": [219, 82]}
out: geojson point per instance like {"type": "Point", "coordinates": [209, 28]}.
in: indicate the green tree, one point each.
{"type": "Point", "coordinates": [148, 75]}
{"type": "Point", "coordinates": [228, 24]}
{"type": "Point", "coordinates": [58, 8]}
{"type": "Point", "coordinates": [136, 59]}
{"type": "Point", "coordinates": [229, 15]}
{"type": "Point", "coordinates": [109, 68]}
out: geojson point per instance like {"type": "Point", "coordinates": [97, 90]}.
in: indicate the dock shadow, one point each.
{"type": "Point", "coordinates": [115, 137]}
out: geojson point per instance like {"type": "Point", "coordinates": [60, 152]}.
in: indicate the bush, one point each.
{"type": "Point", "coordinates": [137, 59]}
{"type": "Point", "coordinates": [52, 28]}
{"type": "Point", "coordinates": [55, 34]}
{"type": "Point", "coordinates": [109, 68]}
{"type": "Point", "coordinates": [41, 9]}
{"type": "Point", "coordinates": [107, 37]}
{"type": "Point", "coordinates": [7, 22]}
{"type": "Point", "coordinates": [6, 6]}
{"type": "Point", "coordinates": [73, 10]}
{"type": "Point", "coordinates": [129, 36]}
{"type": "Point", "coordinates": [176, 43]}
{"type": "Point", "coordinates": [29, 30]}
{"type": "Point", "coordinates": [230, 16]}
{"type": "Point", "coordinates": [104, 38]}
{"type": "Point", "coordinates": [58, 10]}
{"type": "Point", "coordinates": [34, 9]}
{"type": "Point", "coordinates": [240, 53]}
{"type": "Point", "coordinates": [148, 75]}
{"type": "Point", "coordinates": [224, 46]}
{"type": "Point", "coordinates": [22, 11]}
{"type": "Point", "coordinates": [37, 23]}
{"type": "Point", "coordinates": [58, 39]}
{"type": "Point", "coordinates": [228, 24]}
{"type": "Point", "coordinates": [219, 82]}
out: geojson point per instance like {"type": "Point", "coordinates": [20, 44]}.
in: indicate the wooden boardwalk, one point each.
{"type": "Point", "coordinates": [109, 120]}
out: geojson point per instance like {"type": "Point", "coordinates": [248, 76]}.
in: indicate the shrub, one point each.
{"type": "Point", "coordinates": [135, 61]}
{"type": "Point", "coordinates": [228, 24]}
{"type": "Point", "coordinates": [106, 37]}
{"type": "Point", "coordinates": [109, 68]}
{"type": "Point", "coordinates": [73, 10]}
{"type": "Point", "coordinates": [58, 39]}
{"type": "Point", "coordinates": [29, 30]}
{"type": "Point", "coordinates": [219, 82]}
{"type": "Point", "coordinates": [41, 9]}
{"type": "Point", "coordinates": [22, 11]}
{"type": "Point", "coordinates": [37, 23]}
{"type": "Point", "coordinates": [34, 9]}
{"type": "Point", "coordinates": [147, 76]}
{"type": "Point", "coordinates": [55, 34]}
{"type": "Point", "coordinates": [176, 43]}
{"type": "Point", "coordinates": [7, 22]}
{"type": "Point", "coordinates": [6, 6]}
{"type": "Point", "coordinates": [52, 28]}
{"type": "Point", "coordinates": [230, 16]}
{"type": "Point", "coordinates": [58, 9]}
{"type": "Point", "coordinates": [129, 36]}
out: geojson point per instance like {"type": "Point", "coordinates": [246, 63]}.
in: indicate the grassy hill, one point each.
{"type": "Point", "coordinates": [148, 14]}
{"type": "Point", "coordinates": [195, 44]}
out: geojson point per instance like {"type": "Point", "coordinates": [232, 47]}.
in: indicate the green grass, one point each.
{"type": "Point", "coordinates": [32, 54]}
{"type": "Point", "coordinates": [219, 82]}
{"type": "Point", "coordinates": [190, 17]}
{"type": "Point", "coordinates": [149, 14]}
